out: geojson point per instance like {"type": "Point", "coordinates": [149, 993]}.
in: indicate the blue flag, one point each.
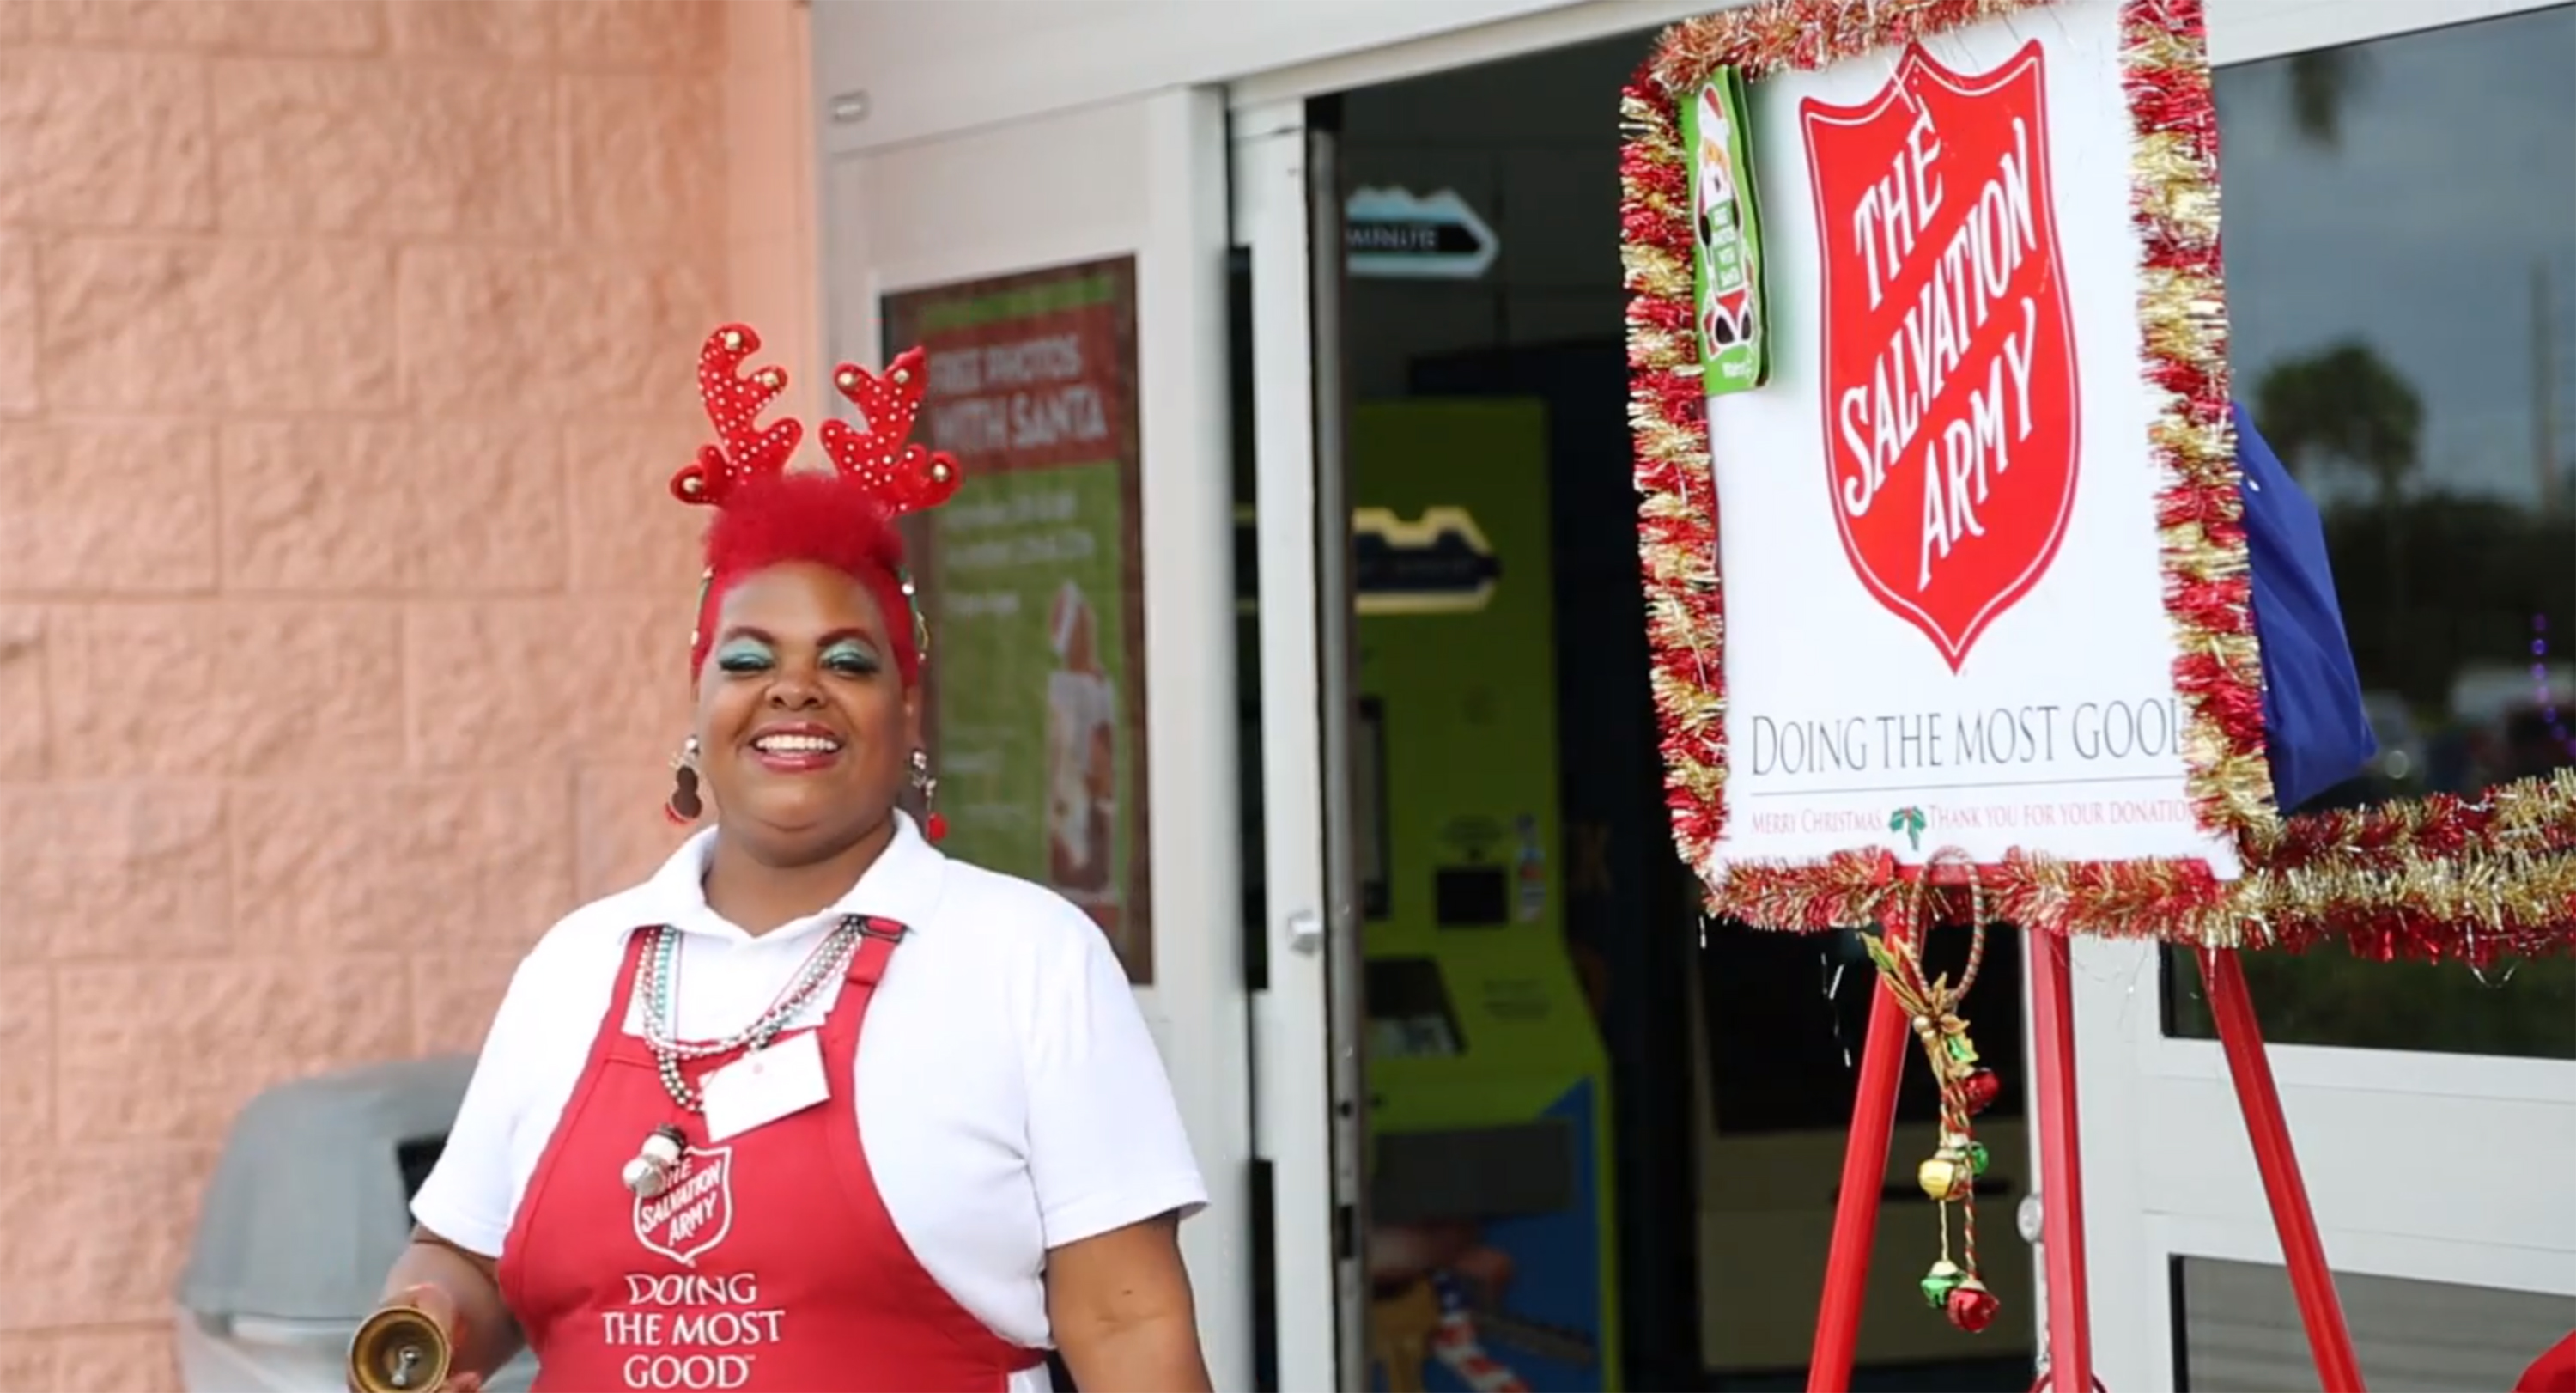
{"type": "Point", "coordinates": [2315, 731]}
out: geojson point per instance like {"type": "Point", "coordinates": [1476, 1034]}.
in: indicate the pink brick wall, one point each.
{"type": "Point", "coordinates": [344, 348]}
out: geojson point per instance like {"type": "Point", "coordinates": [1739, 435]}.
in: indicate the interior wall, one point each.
{"type": "Point", "coordinates": [341, 600]}
{"type": "Point", "coordinates": [1532, 145]}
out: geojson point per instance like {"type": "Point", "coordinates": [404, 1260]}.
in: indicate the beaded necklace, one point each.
{"type": "Point", "coordinates": [656, 986]}
{"type": "Point", "coordinates": [658, 1161]}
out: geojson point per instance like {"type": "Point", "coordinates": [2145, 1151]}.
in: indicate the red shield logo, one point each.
{"type": "Point", "coordinates": [1948, 346]}
{"type": "Point", "coordinates": [686, 1221]}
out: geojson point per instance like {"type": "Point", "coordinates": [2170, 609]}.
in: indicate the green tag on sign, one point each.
{"type": "Point", "coordinates": [1726, 239]}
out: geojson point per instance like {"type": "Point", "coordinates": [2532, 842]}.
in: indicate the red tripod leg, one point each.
{"type": "Point", "coordinates": [2061, 1185]}
{"type": "Point", "coordinates": [2240, 1036]}
{"type": "Point", "coordinates": [1882, 1061]}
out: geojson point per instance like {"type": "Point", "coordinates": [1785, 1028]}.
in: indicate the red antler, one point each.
{"type": "Point", "coordinates": [734, 403]}
{"type": "Point", "coordinates": [882, 458]}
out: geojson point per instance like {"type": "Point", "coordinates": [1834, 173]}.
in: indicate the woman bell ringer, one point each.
{"type": "Point", "coordinates": [814, 1107]}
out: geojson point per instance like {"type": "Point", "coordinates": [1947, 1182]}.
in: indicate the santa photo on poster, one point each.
{"type": "Point", "coordinates": [1945, 623]}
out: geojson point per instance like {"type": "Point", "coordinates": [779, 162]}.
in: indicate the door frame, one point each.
{"type": "Point", "coordinates": [1309, 1105]}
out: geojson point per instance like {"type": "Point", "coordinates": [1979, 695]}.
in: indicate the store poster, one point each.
{"type": "Point", "coordinates": [1945, 620]}
{"type": "Point", "coordinates": [1033, 582]}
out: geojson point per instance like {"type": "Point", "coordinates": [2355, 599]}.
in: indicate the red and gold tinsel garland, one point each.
{"type": "Point", "coordinates": [2434, 878]}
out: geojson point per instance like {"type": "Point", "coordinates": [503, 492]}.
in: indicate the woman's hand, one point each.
{"type": "Point", "coordinates": [460, 1292]}
{"type": "Point", "coordinates": [1121, 1310]}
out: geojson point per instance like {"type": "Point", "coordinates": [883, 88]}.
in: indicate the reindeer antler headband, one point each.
{"type": "Point", "coordinates": [880, 458]}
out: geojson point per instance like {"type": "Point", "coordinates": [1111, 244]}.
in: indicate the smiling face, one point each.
{"type": "Point", "coordinates": [804, 725]}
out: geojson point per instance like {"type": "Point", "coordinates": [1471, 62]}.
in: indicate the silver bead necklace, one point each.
{"type": "Point", "coordinates": [657, 985]}
{"type": "Point", "coordinates": [657, 1163]}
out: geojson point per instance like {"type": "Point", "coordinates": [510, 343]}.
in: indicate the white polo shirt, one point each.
{"type": "Point", "coordinates": [1011, 1097]}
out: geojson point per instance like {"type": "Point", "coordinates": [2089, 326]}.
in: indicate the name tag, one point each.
{"type": "Point", "coordinates": [764, 1086]}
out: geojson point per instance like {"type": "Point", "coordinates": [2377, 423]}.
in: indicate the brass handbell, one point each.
{"type": "Point", "coordinates": [400, 1349]}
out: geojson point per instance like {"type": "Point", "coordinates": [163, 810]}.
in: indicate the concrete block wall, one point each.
{"type": "Point", "coordinates": [345, 348]}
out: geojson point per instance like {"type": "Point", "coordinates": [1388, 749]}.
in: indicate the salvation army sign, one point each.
{"type": "Point", "coordinates": [1945, 619]}
{"type": "Point", "coordinates": [1944, 539]}
{"type": "Point", "coordinates": [1947, 374]}
{"type": "Point", "coordinates": [1911, 590]}
{"type": "Point", "coordinates": [1948, 578]}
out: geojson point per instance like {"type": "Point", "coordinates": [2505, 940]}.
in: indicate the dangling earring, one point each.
{"type": "Point", "coordinates": [933, 825]}
{"type": "Point", "coordinates": [684, 805]}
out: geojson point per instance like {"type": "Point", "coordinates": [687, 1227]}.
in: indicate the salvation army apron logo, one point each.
{"type": "Point", "coordinates": [1948, 349]}
{"type": "Point", "coordinates": [686, 1221]}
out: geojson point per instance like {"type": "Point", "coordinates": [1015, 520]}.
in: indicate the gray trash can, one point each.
{"type": "Point", "coordinates": [307, 1211]}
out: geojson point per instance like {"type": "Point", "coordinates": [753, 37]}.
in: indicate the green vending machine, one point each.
{"type": "Point", "coordinates": [1490, 1245]}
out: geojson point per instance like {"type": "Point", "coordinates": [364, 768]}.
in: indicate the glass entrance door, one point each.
{"type": "Point", "coordinates": [2401, 274]}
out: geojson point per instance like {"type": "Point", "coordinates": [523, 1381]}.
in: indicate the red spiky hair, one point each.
{"type": "Point", "coordinates": [769, 515]}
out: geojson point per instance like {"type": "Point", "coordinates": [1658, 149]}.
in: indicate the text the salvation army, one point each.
{"type": "Point", "coordinates": [1887, 423]}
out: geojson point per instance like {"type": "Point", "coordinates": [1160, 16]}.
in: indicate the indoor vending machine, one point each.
{"type": "Point", "coordinates": [1490, 1248]}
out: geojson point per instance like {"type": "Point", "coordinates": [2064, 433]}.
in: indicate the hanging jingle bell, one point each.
{"type": "Point", "coordinates": [666, 1144]}
{"type": "Point", "coordinates": [1966, 1150]}
{"type": "Point", "coordinates": [1970, 1306]}
{"type": "Point", "coordinates": [643, 1178]}
{"type": "Point", "coordinates": [1945, 1175]}
{"type": "Point", "coordinates": [1944, 1278]}
{"type": "Point", "coordinates": [655, 1163]}
{"type": "Point", "coordinates": [1980, 1089]}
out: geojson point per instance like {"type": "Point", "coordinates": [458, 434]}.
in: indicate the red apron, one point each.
{"type": "Point", "coordinates": [2553, 1372]}
{"type": "Point", "coordinates": [770, 1265]}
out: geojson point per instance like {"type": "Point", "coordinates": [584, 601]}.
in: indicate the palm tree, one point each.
{"type": "Point", "coordinates": [2344, 404]}
{"type": "Point", "coordinates": [2321, 82]}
